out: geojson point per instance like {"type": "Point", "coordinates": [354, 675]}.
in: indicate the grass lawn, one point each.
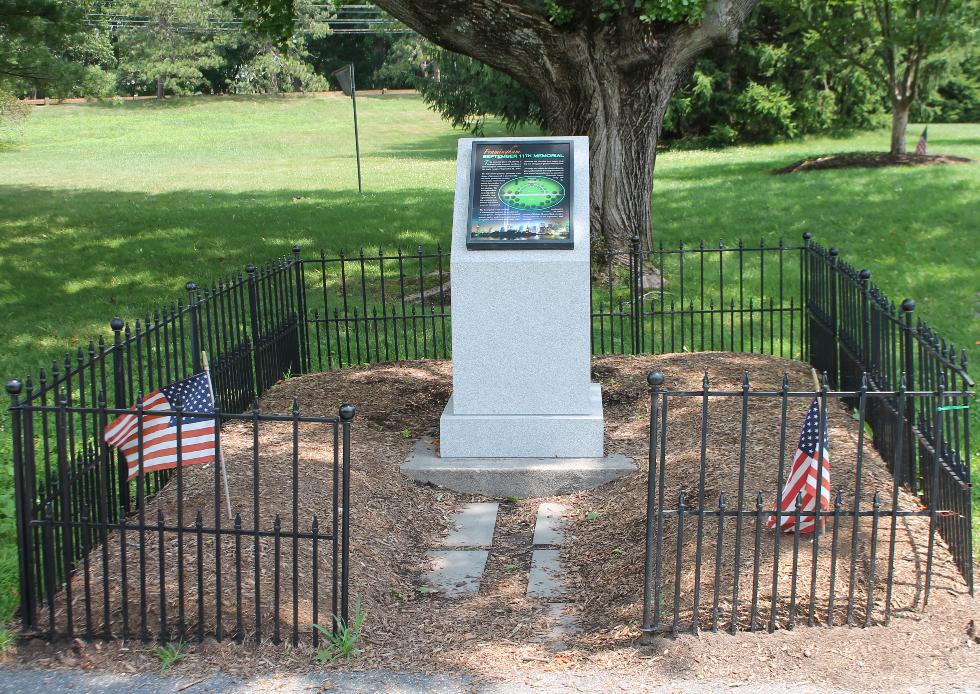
{"type": "Point", "coordinates": [108, 210]}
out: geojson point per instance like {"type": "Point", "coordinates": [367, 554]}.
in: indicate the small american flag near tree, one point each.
{"type": "Point", "coordinates": [161, 445]}
{"type": "Point", "coordinates": [811, 468]}
{"type": "Point", "coordinates": [922, 145]}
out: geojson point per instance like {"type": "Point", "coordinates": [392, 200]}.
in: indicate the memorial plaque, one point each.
{"type": "Point", "coordinates": [521, 195]}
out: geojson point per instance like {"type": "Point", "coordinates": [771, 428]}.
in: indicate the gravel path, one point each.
{"type": "Point", "coordinates": [23, 681]}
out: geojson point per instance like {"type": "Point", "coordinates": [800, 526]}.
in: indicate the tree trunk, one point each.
{"type": "Point", "coordinates": [160, 87]}
{"type": "Point", "coordinates": [900, 123]}
{"type": "Point", "coordinates": [622, 115]}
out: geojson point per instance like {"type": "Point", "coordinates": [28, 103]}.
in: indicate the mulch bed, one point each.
{"type": "Point", "coordinates": [499, 632]}
{"type": "Point", "coordinates": [869, 160]}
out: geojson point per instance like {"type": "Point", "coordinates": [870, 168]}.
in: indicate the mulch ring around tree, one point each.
{"type": "Point", "coordinates": [868, 160]}
{"type": "Point", "coordinates": [500, 631]}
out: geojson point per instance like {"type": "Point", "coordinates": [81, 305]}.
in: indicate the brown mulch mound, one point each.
{"type": "Point", "coordinates": [500, 631]}
{"type": "Point", "coordinates": [869, 160]}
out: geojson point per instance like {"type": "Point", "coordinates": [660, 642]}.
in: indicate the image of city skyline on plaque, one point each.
{"type": "Point", "coordinates": [521, 195]}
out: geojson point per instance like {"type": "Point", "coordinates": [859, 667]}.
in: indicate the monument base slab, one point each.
{"type": "Point", "coordinates": [524, 478]}
{"type": "Point", "coordinates": [523, 435]}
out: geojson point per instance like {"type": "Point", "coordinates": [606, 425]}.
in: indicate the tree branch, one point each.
{"type": "Point", "coordinates": [722, 21]}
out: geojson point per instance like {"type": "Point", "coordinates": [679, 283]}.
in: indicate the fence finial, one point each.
{"type": "Point", "coordinates": [834, 252]}
{"type": "Point", "coordinates": [14, 386]}
{"type": "Point", "coordinates": [807, 236]}
{"type": "Point", "coordinates": [116, 324]}
{"type": "Point", "coordinates": [908, 305]}
{"type": "Point", "coordinates": [864, 275]}
{"type": "Point", "coordinates": [191, 286]}
{"type": "Point", "coordinates": [655, 379]}
{"type": "Point", "coordinates": [347, 412]}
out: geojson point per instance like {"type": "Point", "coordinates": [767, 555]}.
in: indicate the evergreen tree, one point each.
{"type": "Point", "coordinates": [47, 49]}
{"type": "Point", "coordinates": [268, 67]}
{"type": "Point", "coordinates": [177, 42]}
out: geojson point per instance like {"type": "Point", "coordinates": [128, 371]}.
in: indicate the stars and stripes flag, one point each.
{"type": "Point", "coordinates": [812, 461]}
{"type": "Point", "coordinates": [160, 442]}
{"type": "Point", "coordinates": [921, 147]}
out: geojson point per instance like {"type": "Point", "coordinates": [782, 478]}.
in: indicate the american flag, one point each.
{"type": "Point", "coordinates": [807, 464]}
{"type": "Point", "coordinates": [920, 148]}
{"type": "Point", "coordinates": [160, 442]}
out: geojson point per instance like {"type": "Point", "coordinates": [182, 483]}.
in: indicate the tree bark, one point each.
{"type": "Point", "coordinates": [900, 124]}
{"type": "Point", "coordinates": [622, 113]}
{"type": "Point", "coordinates": [160, 87]}
{"type": "Point", "coordinates": [609, 79]}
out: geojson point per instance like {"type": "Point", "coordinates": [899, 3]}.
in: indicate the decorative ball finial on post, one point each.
{"type": "Point", "coordinates": [191, 287]}
{"type": "Point", "coordinates": [116, 324]}
{"type": "Point", "coordinates": [296, 249]}
{"type": "Point", "coordinates": [14, 386]}
{"type": "Point", "coordinates": [834, 252]}
{"type": "Point", "coordinates": [807, 236]}
{"type": "Point", "coordinates": [864, 275]}
{"type": "Point", "coordinates": [908, 305]}
{"type": "Point", "coordinates": [347, 412]}
{"type": "Point", "coordinates": [655, 379]}
{"type": "Point", "coordinates": [250, 269]}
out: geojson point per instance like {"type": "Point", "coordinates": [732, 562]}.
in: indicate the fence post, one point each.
{"type": "Point", "coordinates": [907, 347]}
{"type": "Point", "coordinates": [655, 380]}
{"type": "Point", "coordinates": [865, 277]}
{"type": "Point", "coordinates": [806, 328]}
{"type": "Point", "coordinates": [347, 412]}
{"type": "Point", "coordinates": [191, 288]}
{"type": "Point", "coordinates": [253, 313]}
{"type": "Point", "coordinates": [21, 499]}
{"type": "Point", "coordinates": [302, 348]}
{"type": "Point", "coordinates": [119, 402]}
{"type": "Point", "coordinates": [636, 296]}
{"type": "Point", "coordinates": [835, 348]}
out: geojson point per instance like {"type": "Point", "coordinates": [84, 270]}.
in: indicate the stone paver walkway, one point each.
{"type": "Point", "coordinates": [457, 566]}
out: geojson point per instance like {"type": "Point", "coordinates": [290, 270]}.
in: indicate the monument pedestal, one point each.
{"type": "Point", "coordinates": [523, 435]}
{"type": "Point", "coordinates": [524, 414]}
{"type": "Point", "coordinates": [524, 478]}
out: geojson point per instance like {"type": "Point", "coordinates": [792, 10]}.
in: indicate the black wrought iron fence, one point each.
{"type": "Point", "coordinates": [736, 298]}
{"type": "Point", "coordinates": [297, 315]}
{"type": "Point", "coordinates": [856, 333]}
{"type": "Point", "coordinates": [367, 308]}
{"type": "Point", "coordinates": [215, 552]}
{"type": "Point", "coordinates": [715, 561]}
{"type": "Point", "coordinates": [246, 323]}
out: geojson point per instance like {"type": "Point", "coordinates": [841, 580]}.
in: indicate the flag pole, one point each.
{"type": "Point", "coordinates": [357, 143]}
{"type": "Point", "coordinates": [221, 451]}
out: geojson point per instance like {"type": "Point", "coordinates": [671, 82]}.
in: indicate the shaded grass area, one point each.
{"type": "Point", "coordinates": [109, 210]}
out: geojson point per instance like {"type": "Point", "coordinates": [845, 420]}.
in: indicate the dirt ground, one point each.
{"type": "Point", "coordinates": [869, 160]}
{"type": "Point", "coordinates": [500, 631]}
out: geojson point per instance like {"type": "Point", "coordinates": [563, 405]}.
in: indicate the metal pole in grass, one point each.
{"type": "Point", "coordinates": [345, 76]}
